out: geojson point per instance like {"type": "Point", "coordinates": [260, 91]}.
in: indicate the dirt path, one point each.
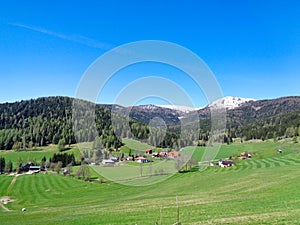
{"type": "Point", "coordinates": [4, 208]}
{"type": "Point", "coordinates": [6, 199]}
{"type": "Point", "coordinates": [10, 187]}
{"type": "Point", "coordinates": [3, 201]}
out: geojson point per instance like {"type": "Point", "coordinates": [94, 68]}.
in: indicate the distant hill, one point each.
{"type": "Point", "coordinates": [251, 111]}
{"type": "Point", "coordinates": [266, 118]}
{"type": "Point", "coordinates": [42, 121]}
{"type": "Point", "coordinates": [145, 113]}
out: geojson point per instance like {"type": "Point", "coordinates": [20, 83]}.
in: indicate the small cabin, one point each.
{"type": "Point", "coordinates": [245, 155]}
{"type": "Point", "coordinates": [225, 163]}
{"type": "Point", "coordinates": [129, 158]}
{"type": "Point", "coordinates": [34, 168]}
{"type": "Point", "coordinates": [108, 162]}
{"type": "Point", "coordinates": [141, 159]}
{"type": "Point", "coordinates": [148, 151]}
{"type": "Point", "coordinates": [115, 159]}
{"type": "Point", "coordinates": [173, 154]}
{"type": "Point", "coordinates": [155, 155]}
{"type": "Point", "coordinates": [163, 154]}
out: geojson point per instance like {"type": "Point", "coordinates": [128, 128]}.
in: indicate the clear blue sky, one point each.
{"type": "Point", "coordinates": [253, 47]}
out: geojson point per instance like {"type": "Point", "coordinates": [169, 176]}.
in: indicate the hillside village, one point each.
{"type": "Point", "coordinates": [63, 162]}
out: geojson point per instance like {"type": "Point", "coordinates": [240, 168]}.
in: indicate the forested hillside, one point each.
{"type": "Point", "coordinates": [43, 121]}
{"type": "Point", "coordinates": [265, 119]}
{"type": "Point", "coordinates": [48, 120]}
{"type": "Point", "coordinates": [284, 125]}
{"type": "Point", "coordinates": [35, 122]}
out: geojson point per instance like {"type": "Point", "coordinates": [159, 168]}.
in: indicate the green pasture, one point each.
{"type": "Point", "coordinates": [261, 190]}
{"type": "Point", "coordinates": [35, 154]}
{"type": "Point", "coordinates": [136, 145]}
{"type": "Point", "coordinates": [260, 149]}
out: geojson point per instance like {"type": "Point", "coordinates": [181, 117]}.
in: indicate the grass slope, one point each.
{"type": "Point", "coordinates": [263, 190]}
{"type": "Point", "coordinates": [136, 145]}
{"type": "Point", "coordinates": [261, 149]}
{"type": "Point", "coordinates": [36, 154]}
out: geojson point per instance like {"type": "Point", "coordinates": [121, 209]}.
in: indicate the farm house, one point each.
{"type": "Point", "coordinates": [225, 163]}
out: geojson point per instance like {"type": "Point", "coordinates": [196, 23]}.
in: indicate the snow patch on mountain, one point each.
{"type": "Point", "coordinates": [181, 108]}
{"type": "Point", "coordinates": [230, 102]}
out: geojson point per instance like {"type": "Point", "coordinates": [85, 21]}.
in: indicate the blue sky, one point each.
{"type": "Point", "coordinates": [252, 47]}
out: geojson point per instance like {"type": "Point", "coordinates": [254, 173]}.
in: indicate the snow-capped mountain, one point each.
{"type": "Point", "coordinates": [172, 114]}
{"type": "Point", "coordinates": [230, 102]}
{"type": "Point", "coordinates": [181, 108]}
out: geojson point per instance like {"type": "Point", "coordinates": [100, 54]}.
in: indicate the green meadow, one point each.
{"type": "Point", "coordinates": [35, 154]}
{"type": "Point", "coordinates": [261, 190]}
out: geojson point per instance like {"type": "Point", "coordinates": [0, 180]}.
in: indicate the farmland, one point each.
{"type": "Point", "coordinates": [255, 191]}
{"type": "Point", "coordinates": [35, 154]}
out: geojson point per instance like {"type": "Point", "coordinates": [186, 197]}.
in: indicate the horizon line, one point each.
{"type": "Point", "coordinates": [109, 103]}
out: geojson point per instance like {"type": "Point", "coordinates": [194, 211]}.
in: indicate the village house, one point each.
{"type": "Point", "coordinates": [141, 159]}
{"type": "Point", "coordinates": [173, 154]}
{"type": "Point", "coordinates": [245, 155]}
{"type": "Point", "coordinates": [34, 169]}
{"type": "Point", "coordinates": [163, 154]}
{"type": "Point", "coordinates": [129, 158]}
{"type": "Point", "coordinates": [225, 163]}
{"type": "Point", "coordinates": [155, 155]}
{"type": "Point", "coordinates": [148, 151]}
{"type": "Point", "coordinates": [108, 162]}
{"type": "Point", "coordinates": [114, 158]}
{"type": "Point", "coordinates": [30, 168]}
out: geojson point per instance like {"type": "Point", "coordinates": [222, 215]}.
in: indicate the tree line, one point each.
{"type": "Point", "coordinates": [282, 126]}
{"type": "Point", "coordinates": [43, 121]}
{"type": "Point", "coordinates": [56, 160]}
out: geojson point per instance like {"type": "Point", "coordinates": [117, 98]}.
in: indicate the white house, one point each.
{"type": "Point", "coordinates": [225, 163]}
{"type": "Point", "coordinates": [141, 159]}
{"type": "Point", "coordinates": [108, 162]}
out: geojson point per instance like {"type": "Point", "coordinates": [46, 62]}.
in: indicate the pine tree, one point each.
{"type": "Point", "coordinates": [2, 164]}
{"type": "Point", "coordinates": [61, 145]}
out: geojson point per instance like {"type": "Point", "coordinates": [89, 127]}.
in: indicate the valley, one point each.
{"type": "Point", "coordinates": [262, 189]}
{"type": "Point", "coordinates": [254, 191]}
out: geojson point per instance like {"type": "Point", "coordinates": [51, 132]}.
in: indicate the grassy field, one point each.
{"type": "Point", "coordinates": [262, 190]}
{"type": "Point", "coordinates": [136, 145]}
{"type": "Point", "coordinates": [261, 149]}
{"type": "Point", "coordinates": [35, 154]}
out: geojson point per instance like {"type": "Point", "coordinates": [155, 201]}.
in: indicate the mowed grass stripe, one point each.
{"type": "Point", "coordinates": [277, 162]}
{"type": "Point", "coordinates": [261, 192]}
{"type": "Point", "coordinates": [51, 181]}
{"type": "Point", "coordinates": [30, 191]}
{"type": "Point", "coordinates": [46, 183]}
{"type": "Point", "coordinates": [273, 163]}
{"type": "Point", "coordinates": [282, 160]}
{"type": "Point", "coordinates": [294, 160]}
{"type": "Point", "coordinates": [243, 165]}
{"type": "Point", "coordinates": [266, 163]}
{"type": "Point", "coordinates": [213, 196]}
{"type": "Point", "coordinates": [259, 163]}
{"type": "Point", "coordinates": [287, 161]}
{"type": "Point", "coordinates": [60, 184]}
{"type": "Point", "coordinates": [19, 189]}
{"type": "Point", "coordinates": [41, 186]}
{"type": "Point", "coordinates": [251, 164]}
{"type": "Point", "coordinates": [5, 182]}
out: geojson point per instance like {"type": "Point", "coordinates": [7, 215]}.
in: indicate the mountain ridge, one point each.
{"type": "Point", "coordinates": [46, 120]}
